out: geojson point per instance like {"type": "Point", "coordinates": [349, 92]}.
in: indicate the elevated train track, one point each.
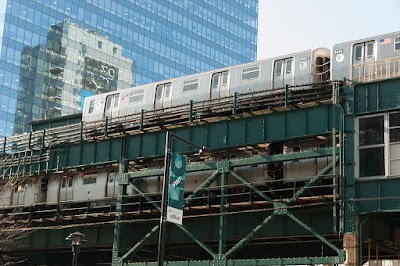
{"type": "Point", "coordinates": [37, 154]}
{"type": "Point", "coordinates": [34, 147]}
{"type": "Point", "coordinates": [28, 155]}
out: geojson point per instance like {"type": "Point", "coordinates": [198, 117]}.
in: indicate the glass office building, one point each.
{"type": "Point", "coordinates": [54, 53]}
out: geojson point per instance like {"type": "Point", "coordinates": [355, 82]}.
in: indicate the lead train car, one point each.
{"type": "Point", "coordinates": [298, 69]}
{"type": "Point", "coordinates": [367, 59]}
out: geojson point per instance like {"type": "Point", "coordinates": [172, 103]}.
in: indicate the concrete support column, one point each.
{"type": "Point", "coordinates": [350, 245]}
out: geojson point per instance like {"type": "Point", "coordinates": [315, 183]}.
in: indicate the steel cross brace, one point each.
{"type": "Point", "coordinates": [281, 209]}
{"type": "Point", "coordinates": [138, 245]}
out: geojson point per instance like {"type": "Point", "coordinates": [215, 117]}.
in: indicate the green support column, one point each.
{"type": "Point", "coordinates": [118, 228]}
{"type": "Point", "coordinates": [222, 219]}
{"type": "Point", "coordinates": [349, 182]}
{"type": "Point", "coordinates": [220, 259]}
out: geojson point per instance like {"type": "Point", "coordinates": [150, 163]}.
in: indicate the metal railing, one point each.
{"type": "Point", "coordinates": [377, 70]}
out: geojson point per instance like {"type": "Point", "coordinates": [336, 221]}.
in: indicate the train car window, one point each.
{"type": "Point", "coordinates": [63, 181]}
{"type": "Point", "coordinates": [370, 50]}
{"type": "Point", "coordinates": [91, 106]}
{"type": "Point", "coordinates": [358, 52]}
{"type": "Point", "coordinates": [70, 181]}
{"type": "Point", "coordinates": [89, 180]}
{"type": "Point", "coordinates": [136, 96]}
{"type": "Point", "coordinates": [159, 89]}
{"type": "Point", "coordinates": [397, 44]}
{"type": "Point", "coordinates": [215, 81]}
{"type": "Point", "coordinates": [167, 90]}
{"type": "Point", "coordinates": [289, 63]}
{"type": "Point", "coordinates": [116, 100]}
{"type": "Point", "coordinates": [191, 85]}
{"type": "Point", "coordinates": [108, 102]}
{"type": "Point", "coordinates": [224, 78]}
{"type": "Point", "coordinates": [250, 73]}
{"type": "Point", "coordinates": [278, 67]}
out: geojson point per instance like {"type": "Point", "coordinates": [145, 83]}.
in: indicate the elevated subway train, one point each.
{"type": "Point", "coordinates": [361, 60]}
{"type": "Point", "coordinates": [98, 187]}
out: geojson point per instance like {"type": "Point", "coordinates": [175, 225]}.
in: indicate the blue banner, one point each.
{"type": "Point", "coordinates": [177, 174]}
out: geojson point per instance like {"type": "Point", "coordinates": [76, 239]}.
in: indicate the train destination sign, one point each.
{"type": "Point", "coordinates": [177, 174]}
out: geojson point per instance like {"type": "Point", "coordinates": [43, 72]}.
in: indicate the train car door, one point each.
{"type": "Point", "coordinates": [219, 85]}
{"type": "Point", "coordinates": [363, 53]}
{"type": "Point", "coordinates": [162, 99]}
{"type": "Point", "coordinates": [283, 73]}
{"type": "Point", "coordinates": [66, 188]}
{"type": "Point", "coordinates": [111, 106]}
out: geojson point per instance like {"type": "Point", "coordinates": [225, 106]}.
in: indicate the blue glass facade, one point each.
{"type": "Point", "coordinates": [56, 52]}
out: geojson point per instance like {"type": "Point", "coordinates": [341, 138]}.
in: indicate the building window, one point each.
{"type": "Point", "coordinates": [379, 145]}
{"type": "Point", "coordinates": [100, 44]}
{"type": "Point", "coordinates": [251, 73]}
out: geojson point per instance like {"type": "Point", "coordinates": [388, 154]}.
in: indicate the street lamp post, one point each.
{"type": "Point", "coordinates": [76, 240]}
{"type": "Point", "coordinates": [167, 160]}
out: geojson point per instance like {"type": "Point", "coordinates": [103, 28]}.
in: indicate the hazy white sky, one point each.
{"type": "Point", "coordinates": [287, 26]}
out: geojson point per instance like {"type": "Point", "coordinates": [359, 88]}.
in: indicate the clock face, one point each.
{"type": "Point", "coordinates": [100, 77]}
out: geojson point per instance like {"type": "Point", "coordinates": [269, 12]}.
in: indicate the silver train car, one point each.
{"type": "Point", "coordinates": [361, 60]}
{"type": "Point", "coordinates": [98, 187]}
{"type": "Point", "coordinates": [367, 59]}
{"type": "Point", "coordinates": [308, 67]}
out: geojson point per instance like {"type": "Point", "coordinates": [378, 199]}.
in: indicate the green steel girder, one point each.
{"type": "Point", "coordinates": [292, 124]}
{"type": "Point", "coordinates": [373, 97]}
{"type": "Point", "coordinates": [254, 262]}
{"type": "Point", "coordinates": [240, 162]}
{"type": "Point", "coordinates": [380, 195]}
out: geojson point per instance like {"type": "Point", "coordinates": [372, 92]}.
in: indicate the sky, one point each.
{"type": "Point", "coordinates": [289, 26]}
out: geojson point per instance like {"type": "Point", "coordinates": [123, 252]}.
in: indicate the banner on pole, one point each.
{"type": "Point", "coordinates": [177, 174]}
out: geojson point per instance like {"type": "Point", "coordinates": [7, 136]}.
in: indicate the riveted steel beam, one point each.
{"type": "Point", "coordinates": [204, 166]}
{"type": "Point", "coordinates": [330, 260]}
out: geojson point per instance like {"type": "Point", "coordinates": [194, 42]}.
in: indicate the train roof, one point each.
{"type": "Point", "coordinates": [368, 38]}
